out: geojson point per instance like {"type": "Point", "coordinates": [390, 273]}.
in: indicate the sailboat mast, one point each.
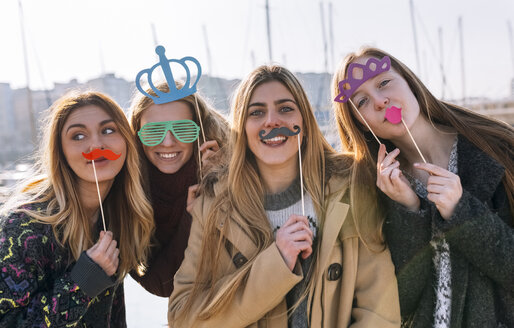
{"type": "Point", "coordinates": [208, 50]}
{"type": "Point", "coordinates": [441, 62]}
{"type": "Point", "coordinates": [511, 40]}
{"type": "Point", "coordinates": [331, 34]}
{"type": "Point", "coordinates": [102, 61]}
{"type": "Point", "coordinates": [270, 53]}
{"type": "Point", "coordinates": [27, 76]}
{"type": "Point", "coordinates": [414, 34]}
{"type": "Point", "coordinates": [462, 62]}
{"type": "Point", "coordinates": [154, 36]}
{"type": "Point", "coordinates": [325, 46]}
{"type": "Point", "coordinates": [252, 58]}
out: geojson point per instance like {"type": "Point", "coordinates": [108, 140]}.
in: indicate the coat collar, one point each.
{"type": "Point", "coordinates": [336, 214]}
{"type": "Point", "coordinates": [472, 163]}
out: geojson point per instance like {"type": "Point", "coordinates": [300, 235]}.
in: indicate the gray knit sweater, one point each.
{"type": "Point", "coordinates": [278, 209]}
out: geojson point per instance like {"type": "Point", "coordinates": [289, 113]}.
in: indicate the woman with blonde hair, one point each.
{"type": "Point", "coordinates": [264, 253]}
{"type": "Point", "coordinates": [59, 267]}
{"type": "Point", "coordinates": [448, 221]}
{"type": "Point", "coordinates": [171, 165]}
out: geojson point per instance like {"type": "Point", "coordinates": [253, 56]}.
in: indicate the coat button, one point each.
{"type": "Point", "coordinates": [335, 270]}
{"type": "Point", "coordinates": [239, 260]}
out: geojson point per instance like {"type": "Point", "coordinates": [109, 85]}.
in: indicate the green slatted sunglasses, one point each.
{"type": "Point", "coordinates": [153, 133]}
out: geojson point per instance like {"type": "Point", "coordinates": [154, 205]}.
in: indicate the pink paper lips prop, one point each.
{"type": "Point", "coordinates": [394, 114]}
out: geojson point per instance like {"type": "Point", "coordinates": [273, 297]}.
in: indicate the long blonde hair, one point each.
{"type": "Point", "coordinates": [493, 137]}
{"type": "Point", "coordinates": [243, 190]}
{"type": "Point", "coordinates": [127, 208]}
{"type": "Point", "coordinates": [214, 124]}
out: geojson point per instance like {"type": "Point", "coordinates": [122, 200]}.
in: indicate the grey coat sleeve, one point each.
{"type": "Point", "coordinates": [408, 235]}
{"type": "Point", "coordinates": [483, 233]}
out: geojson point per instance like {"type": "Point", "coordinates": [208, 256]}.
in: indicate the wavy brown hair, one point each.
{"type": "Point", "coordinates": [242, 192]}
{"type": "Point", "coordinates": [493, 137]}
{"type": "Point", "coordinates": [127, 208]}
{"type": "Point", "coordinates": [215, 125]}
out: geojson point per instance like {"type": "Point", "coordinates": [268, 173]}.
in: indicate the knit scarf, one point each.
{"type": "Point", "coordinates": [168, 194]}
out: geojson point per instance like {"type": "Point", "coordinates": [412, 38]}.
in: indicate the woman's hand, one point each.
{"type": "Point", "coordinates": [293, 238]}
{"type": "Point", "coordinates": [444, 188]}
{"type": "Point", "coordinates": [104, 253]}
{"type": "Point", "coordinates": [392, 182]}
{"type": "Point", "coordinates": [192, 195]}
{"type": "Point", "coordinates": [208, 150]}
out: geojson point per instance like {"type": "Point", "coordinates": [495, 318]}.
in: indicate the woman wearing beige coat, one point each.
{"type": "Point", "coordinates": [252, 259]}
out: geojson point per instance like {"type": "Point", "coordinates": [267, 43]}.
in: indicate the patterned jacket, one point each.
{"type": "Point", "coordinates": [42, 286]}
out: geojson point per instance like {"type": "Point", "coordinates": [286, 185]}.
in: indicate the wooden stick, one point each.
{"type": "Point", "coordinates": [199, 158]}
{"type": "Point", "coordinates": [200, 118]}
{"type": "Point", "coordinates": [362, 117]}
{"type": "Point", "coordinates": [414, 141]}
{"type": "Point", "coordinates": [301, 173]}
{"type": "Point", "coordinates": [99, 197]}
{"type": "Point", "coordinates": [203, 136]}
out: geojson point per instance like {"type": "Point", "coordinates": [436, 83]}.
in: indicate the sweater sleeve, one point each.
{"type": "Point", "coordinates": [479, 231]}
{"type": "Point", "coordinates": [90, 277]}
{"type": "Point", "coordinates": [29, 294]}
{"type": "Point", "coordinates": [408, 235]}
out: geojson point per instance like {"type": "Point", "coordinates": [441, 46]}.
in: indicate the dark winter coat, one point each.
{"type": "Point", "coordinates": [168, 194]}
{"type": "Point", "coordinates": [481, 238]}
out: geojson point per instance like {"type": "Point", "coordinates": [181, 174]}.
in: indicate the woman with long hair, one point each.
{"type": "Point", "coordinates": [170, 168]}
{"type": "Point", "coordinates": [59, 268]}
{"type": "Point", "coordinates": [448, 221]}
{"type": "Point", "coordinates": [265, 253]}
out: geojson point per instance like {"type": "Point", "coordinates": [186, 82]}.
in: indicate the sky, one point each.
{"type": "Point", "coordinates": [82, 39]}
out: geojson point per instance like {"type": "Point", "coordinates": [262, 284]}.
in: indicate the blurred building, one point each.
{"type": "Point", "coordinates": [16, 133]}
{"type": "Point", "coordinates": [7, 123]}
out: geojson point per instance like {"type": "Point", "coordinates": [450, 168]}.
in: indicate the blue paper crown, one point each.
{"type": "Point", "coordinates": [174, 93]}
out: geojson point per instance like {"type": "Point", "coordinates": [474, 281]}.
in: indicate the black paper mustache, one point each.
{"type": "Point", "coordinates": [283, 131]}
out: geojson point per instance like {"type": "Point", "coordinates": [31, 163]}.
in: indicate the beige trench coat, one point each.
{"type": "Point", "coordinates": [355, 288]}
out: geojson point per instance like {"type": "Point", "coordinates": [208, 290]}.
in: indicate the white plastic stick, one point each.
{"type": "Point", "coordinates": [99, 197]}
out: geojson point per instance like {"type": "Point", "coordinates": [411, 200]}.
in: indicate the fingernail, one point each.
{"type": "Point", "coordinates": [416, 164]}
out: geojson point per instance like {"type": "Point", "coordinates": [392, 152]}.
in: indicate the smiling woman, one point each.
{"type": "Point", "coordinates": [170, 154]}
{"type": "Point", "coordinates": [253, 258]}
{"type": "Point", "coordinates": [63, 270]}
{"type": "Point", "coordinates": [272, 106]}
{"type": "Point", "coordinates": [167, 136]}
